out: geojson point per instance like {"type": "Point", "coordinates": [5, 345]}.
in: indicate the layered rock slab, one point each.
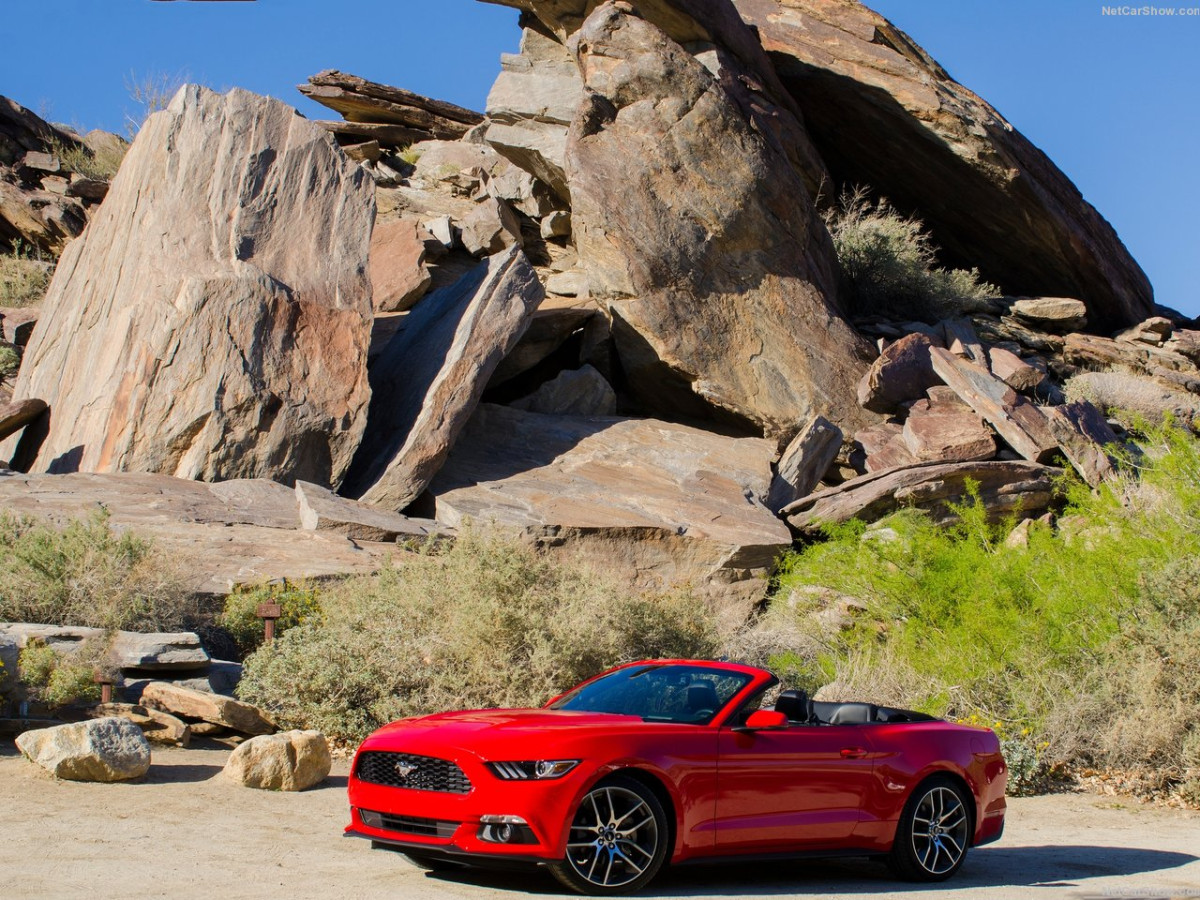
{"type": "Point", "coordinates": [1003, 488]}
{"type": "Point", "coordinates": [219, 303]}
{"type": "Point", "coordinates": [948, 154]}
{"type": "Point", "coordinates": [693, 224]}
{"type": "Point", "coordinates": [664, 504]}
{"type": "Point", "coordinates": [428, 380]}
{"type": "Point", "coordinates": [215, 535]}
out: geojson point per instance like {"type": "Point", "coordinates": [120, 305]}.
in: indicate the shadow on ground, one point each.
{"type": "Point", "coordinates": [1044, 866]}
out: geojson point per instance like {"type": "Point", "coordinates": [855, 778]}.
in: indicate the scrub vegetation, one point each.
{"type": "Point", "coordinates": [24, 277]}
{"type": "Point", "coordinates": [889, 263]}
{"type": "Point", "coordinates": [485, 622]}
{"type": "Point", "coordinates": [87, 574]}
{"type": "Point", "coordinates": [1080, 647]}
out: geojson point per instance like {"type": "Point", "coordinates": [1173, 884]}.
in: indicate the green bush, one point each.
{"type": "Point", "coordinates": [9, 361]}
{"type": "Point", "coordinates": [55, 681]}
{"type": "Point", "coordinates": [1086, 642]}
{"type": "Point", "coordinates": [487, 622]}
{"type": "Point", "coordinates": [87, 574]}
{"type": "Point", "coordinates": [240, 618]}
{"type": "Point", "coordinates": [889, 264]}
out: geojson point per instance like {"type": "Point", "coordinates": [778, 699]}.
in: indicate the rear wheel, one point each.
{"type": "Point", "coordinates": [933, 834]}
{"type": "Point", "coordinates": [618, 839]}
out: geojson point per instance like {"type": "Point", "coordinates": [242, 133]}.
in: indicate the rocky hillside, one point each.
{"type": "Point", "coordinates": [606, 311]}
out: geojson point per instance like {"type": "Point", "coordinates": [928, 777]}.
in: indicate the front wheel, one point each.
{"type": "Point", "coordinates": [933, 834]}
{"type": "Point", "coordinates": [618, 840]}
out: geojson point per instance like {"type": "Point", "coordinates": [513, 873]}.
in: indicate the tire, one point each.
{"type": "Point", "coordinates": [934, 832]}
{"type": "Point", "coordinates": [618, 840]}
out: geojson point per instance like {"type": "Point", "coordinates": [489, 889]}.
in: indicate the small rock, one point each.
{"type": "Point", "coordinates": [804, 462]}
{"type": "Point", "coordinates": [442, 229]}
{"type": "Point", "coordinates": [902, 372]}
{"type": "Point", "coordinates": [323, 510]}
{"type": "Point", "coordinates": [581, 392]}
{"type": "Point", "coordinates": [1018, 538]}
{"type": "Point", "coordinates": [556, 225]}
{"type": "Point", "coordinates": [158, 726]}
{"type": "Point", "coordinates": [1061, 314]}
{"type": "Point", "coordinates": [1156, 331]}
{"type": "Point", "coordinates": [490, 228]}
{"type": "Point", "coordinates": [568, 284]}
{"type": "Point", "coordinates": [290, 761]}
{"type": "Point", "coordinates": [87, 188]}
{"type": "Point", "coordinates": [111, 749]}
{"type": "Point", "coordinates": [399, 276]}
{"type": "Point", "coordinates": [42, 162]}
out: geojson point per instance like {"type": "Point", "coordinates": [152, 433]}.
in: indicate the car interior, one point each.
{"type": "Point", "coordinates": [800, 710]}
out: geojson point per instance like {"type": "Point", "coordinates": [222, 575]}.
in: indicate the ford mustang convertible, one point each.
{"type": "Point", "coordinates": [678, 761]}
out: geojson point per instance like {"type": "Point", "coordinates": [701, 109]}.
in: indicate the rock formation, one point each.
{"type": "Point", "coordinates": [946, 156]}
{"type": "Point", "coordinates": [662, 503]}
{"type": "Point", "coordinates": [696, 229]}
{"type": "Point", "coordinates": [219, 305]}
{"type": "Point", "coordinates": [431, 375]}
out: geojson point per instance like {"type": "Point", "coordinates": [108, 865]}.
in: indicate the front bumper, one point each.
{"type": "Point", "coordinates": [450, 825]}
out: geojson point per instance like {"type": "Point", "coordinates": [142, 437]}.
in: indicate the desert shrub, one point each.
{"type": "Point", "coordinates": [487, 622]}
{"type": "Point", "coordinates": [55, 680]}
{"type": "Point", "coordinates": [889, 263]}
{"type": "Point", "coordinates": [85, 573]}
{"type": "Point", "coordinates": [1084, 645]}
{"type": "Point", "coordinates": [150, 93]}
{"type": "Point", "coordinates": [299, 604]}
{"type": "Point", "coordinates": [9, 361]}
{"type": "Point", "coordinates": [101, 164]}
{"type": "Point", "coordinates": [24, 277]}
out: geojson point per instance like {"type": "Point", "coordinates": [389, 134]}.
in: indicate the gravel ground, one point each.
{"type": "Point", "coordinates": [184, 831]}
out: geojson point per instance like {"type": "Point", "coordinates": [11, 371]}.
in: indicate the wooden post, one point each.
{"type": "Point", "coordinates": [269, 612]}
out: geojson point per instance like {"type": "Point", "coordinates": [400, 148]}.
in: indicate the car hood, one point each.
{"type": "Point", "coordinates": [485, 732]}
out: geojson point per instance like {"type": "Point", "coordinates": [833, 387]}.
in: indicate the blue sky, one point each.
{"type": "Point", "coordinates": [1114, 100]}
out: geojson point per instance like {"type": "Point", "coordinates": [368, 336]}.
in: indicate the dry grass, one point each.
{"type": "Point", "coordinates": [24, 278]}
{"type": "Point", "coordinates": [86, 574]}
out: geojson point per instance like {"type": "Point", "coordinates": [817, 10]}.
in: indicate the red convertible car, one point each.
{"type": "Point", "coordinates": [675, 761]}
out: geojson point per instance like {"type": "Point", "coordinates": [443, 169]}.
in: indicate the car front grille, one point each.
{"type": "Point", "coordinates": [418, 773]}
{"type": "Point", "coordinates": [408, 824]}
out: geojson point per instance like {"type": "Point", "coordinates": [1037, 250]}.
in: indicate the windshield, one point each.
{"type": "Point", "coordinates": [658, 693]}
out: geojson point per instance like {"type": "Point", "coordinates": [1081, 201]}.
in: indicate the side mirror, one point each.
{"type": "Point", "coordinates": [764, 720]}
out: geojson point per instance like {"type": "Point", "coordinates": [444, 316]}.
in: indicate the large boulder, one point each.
{"type": "Point", "coordinates": [110, 749]}
{"type": "Point", "coordinates": [694, 224]}
{"type": "Point", "coordinates": [665, 504]}
{"type": "Point", "coordinates": [883, 113]}
{"type": "Point", "coordinates": [289, 761]}
{"type": "Point", "coordinates": [219, 304]}
{"type": "Point", "coordinates": [428, 380]}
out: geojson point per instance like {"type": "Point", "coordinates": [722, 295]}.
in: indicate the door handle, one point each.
{"type": "Point", "coordinates": [853, 753]}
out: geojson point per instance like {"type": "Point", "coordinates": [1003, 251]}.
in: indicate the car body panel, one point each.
{"type": "Point", "coordinates": [729, 792]}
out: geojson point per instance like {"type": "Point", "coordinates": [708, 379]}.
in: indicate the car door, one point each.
{"type": "Point", "coordinates": [791, 789]}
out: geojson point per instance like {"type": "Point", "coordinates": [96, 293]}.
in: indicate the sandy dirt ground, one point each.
{"type": "Point", "coordinates": [185, 831]}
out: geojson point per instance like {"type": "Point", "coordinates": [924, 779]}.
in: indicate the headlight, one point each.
{"type": "Point", "coordinates": [532, 770]}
